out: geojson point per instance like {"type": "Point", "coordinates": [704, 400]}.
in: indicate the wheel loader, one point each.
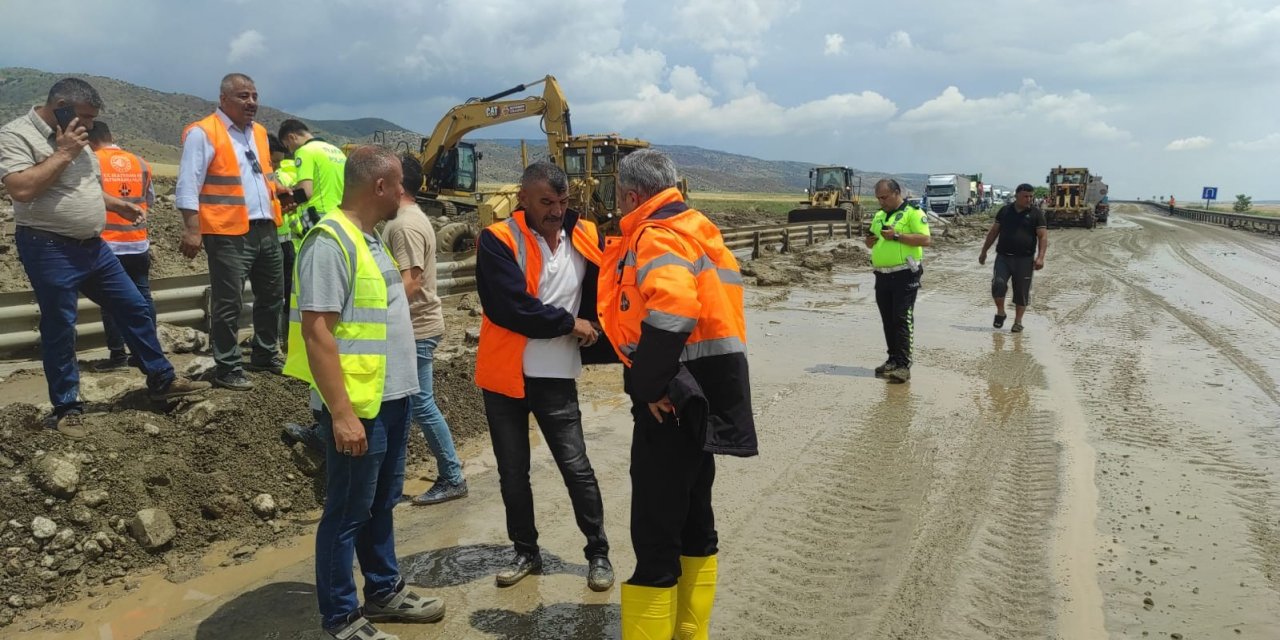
{"type": "Point", "coordinates": [832, 197]}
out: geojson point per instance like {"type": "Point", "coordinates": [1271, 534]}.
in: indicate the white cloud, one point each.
{"type": "Point", "coordinates": [952, 110]}
{"type": "Point", "coordinates": [899, 40]}
{"type": "Point", "coordinates": [1266, 143]}
{"type": "Point", "coordinates": [732, 73]}
{"type": "Point", "coordinates": [834, 46]}
{"type": "Point", "coordinates": [249, 44]}
{"type": "Point", "coordinates": [685, 82]}
{"type": "Point", "coordinates": [731, 25]}
{"type": "Point", "coordinates": [1189, 144]}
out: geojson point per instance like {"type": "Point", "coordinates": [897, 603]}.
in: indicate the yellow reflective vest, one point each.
{"type": "Point", "coordinates": [361, 331]}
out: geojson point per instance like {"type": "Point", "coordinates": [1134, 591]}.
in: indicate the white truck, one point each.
{"type": "Point", "coordinates": [948, 194]}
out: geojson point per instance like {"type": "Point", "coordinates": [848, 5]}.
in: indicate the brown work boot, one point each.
{"type": "Point", "coordinates": [179, 387]}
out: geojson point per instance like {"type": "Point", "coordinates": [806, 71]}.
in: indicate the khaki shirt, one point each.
{"type": "Point", "coordinates": [71, 206]}
{"type": "Point", "coordinates": [412, 242]}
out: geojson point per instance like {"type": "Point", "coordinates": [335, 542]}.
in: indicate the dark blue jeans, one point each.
{"type": "Point", "coordinates": [59, 271]}
{"type": "Point", "coordinates": [138, 268]}
{"type": "Point", "coordinates": [360, 493]}
{"type": "Point", "coordinates": [554, 403]}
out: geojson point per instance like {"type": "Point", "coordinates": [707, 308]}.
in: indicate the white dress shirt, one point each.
{"type": "Point", "coordinates": [197, 153]}
{"type": "Point", "coordinates": [560, 286]}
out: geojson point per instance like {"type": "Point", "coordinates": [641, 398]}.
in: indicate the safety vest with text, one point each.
{"type": "Point", "coordinates": [128, 177]}
{"type": "Point", "coordinates": [223, 210]}
{"type": "Point", "coordinates": [361, 332]}
{"type": "Point", "coordinates": [500, 356]}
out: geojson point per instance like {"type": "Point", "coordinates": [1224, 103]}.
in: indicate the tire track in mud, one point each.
{"type": "Point", "coordinates": [1259, 304]}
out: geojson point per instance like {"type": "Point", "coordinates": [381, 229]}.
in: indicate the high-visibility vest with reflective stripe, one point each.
{"type": "Point", "coordinates": [125, 176]}
{"type": "Point", "coordinates": [500, 356]}
{"type": "Point", "coordinates": [672, 271]}
{"type": "Point", "coordinates": [222, 197]}
{"type": "Point", "coordinates": [361, 332]}
{"type": "Point", "coordinates": [287, 176]}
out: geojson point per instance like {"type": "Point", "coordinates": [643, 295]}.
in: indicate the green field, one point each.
{"type": "Point", "coordinates": [767, 203]}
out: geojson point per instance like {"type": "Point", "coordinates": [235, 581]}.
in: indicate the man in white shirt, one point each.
{"type": "Point", "coordinates": [227, 194]}
{"type": "Point", "coordinates": [536, 275]}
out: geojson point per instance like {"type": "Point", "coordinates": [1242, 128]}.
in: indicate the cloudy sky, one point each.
{"type": "Point", "coordinates": [1159, 97]}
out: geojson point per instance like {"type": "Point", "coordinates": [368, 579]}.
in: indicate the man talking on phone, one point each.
{"type": "Point", "coordinates": [58, 202]}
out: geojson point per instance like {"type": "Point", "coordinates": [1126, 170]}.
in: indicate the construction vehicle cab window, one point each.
{"type": "Point", "coordinates": [832, 196]}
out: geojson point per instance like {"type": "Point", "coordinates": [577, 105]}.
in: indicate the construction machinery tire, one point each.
{"type": "Point", "coordinates": [851, 212]}
{"type": "Point", "coordinates": [457, 237]}
{"type": "Point", "coordinates": [1090, 221]}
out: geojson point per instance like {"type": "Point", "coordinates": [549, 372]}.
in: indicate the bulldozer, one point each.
{"type": "Point", "coordinates": [1076, 198]}
{"type": "Point", "coordinates": [832, 197]}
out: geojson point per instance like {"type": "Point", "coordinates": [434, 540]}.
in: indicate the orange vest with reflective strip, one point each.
{"type": "Point", "coordinates": [500, 356]}
{"type": "Point", "coordinates": [125, 176]}
{"type": "Point", "coordinates": [671, 269]}
{"type": "Point", "coordinates": [222, 197]}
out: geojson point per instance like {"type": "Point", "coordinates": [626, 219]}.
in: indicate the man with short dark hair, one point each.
{"type": "Point", "coordinates": [897, 237]}
{"type": "Point", "coordinates": [536, 277]}
{"type": "Point", "coordinates": [350, 336]}
{"type": "Point", "coordinates": [227, 195]}
{"type": "Point", "coordinates": [412, 242]}
{"type": "Point", "coordinates": [58, 204]}
{"type": "Point", "coordinates": [1021, 228]}
{"type": "Point", "coordinates": [318, 169]}
{"type": "Point", "coordinates": [128, 177]}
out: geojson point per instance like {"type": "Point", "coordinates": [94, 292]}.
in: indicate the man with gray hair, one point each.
{"type": "Point", "coordinates": [350, 332]}
{"type": "Point", "coordinates": [536, 276]}
{"type": "Point", "coordinates": [58, 205]}
{"type": "Point", "coordinates": [227, 194]}
{"type": "Point", "coordinates": [671, 303]}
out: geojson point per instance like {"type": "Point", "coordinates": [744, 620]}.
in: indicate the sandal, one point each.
{"type": "Point", "coordinates": [999, 321]}
{"type": "Point", "coordinates": [1016, 328]}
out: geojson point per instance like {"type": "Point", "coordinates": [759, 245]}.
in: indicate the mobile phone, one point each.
{"type": "Point", "coordinates": [64, 116]}
{"type": "Point", "coordinates": [299, 196]}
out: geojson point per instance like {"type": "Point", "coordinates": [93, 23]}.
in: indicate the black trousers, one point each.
{"type": "Point", "coordinates": [671, 513]}
{"type": "Point", "coordinates": [287, 255]}
{"type": "Point", "coordinates": [254, 256]}
{"type": "Point", "coordinates": [896, 298]}
{"type": "Point", "coordinates": [554, 404]}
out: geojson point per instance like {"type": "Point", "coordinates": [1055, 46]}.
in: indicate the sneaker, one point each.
{"type": "Point", "coordinates": [442, 491]}
{"type": "Point", "coordinates": [180, 386]}
{"type": "Point", "coordinates": [309, 436]}
{"type": "Point", "coordinates": [405, 606]}
{"type": "Point", "coordinates": [359, 629]}
{"type": "Point", "coordinates": [885, 368]}
{"type": "Point", "coordinates": [1016, 328]}
{"type": "Point", "coordinates": [599, 574]}
{"type": "Point", "coordinates": [233, 380]}
{"type": "Point", "coordinates": [114, 361]}
{"type": "Point", "coordinates": [998, 321]}
{"type": "Point", "coordinates": [69, 424]}
{"type": "Point", "coordinates": [899, 374]}
{"type": "Point", "coordinates": [274, 365]}
{"type": "Point", "coordinates": [522, 565]}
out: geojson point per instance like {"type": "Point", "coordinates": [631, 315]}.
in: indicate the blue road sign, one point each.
{"type": "Point", "coordinates": [1210, 193]}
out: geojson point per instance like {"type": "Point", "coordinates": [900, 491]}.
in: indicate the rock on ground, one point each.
{"type": "Point", "coordinates": [152, 528]}
{"type": "Point", "coordinates": [57, 476]}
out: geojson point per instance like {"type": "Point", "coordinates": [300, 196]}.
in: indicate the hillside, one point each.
{"type": "Point", "coordinates": [150, 123]}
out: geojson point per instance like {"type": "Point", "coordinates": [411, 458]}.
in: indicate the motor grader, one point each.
{"type": "Point", "coordinates": [831, 197]}
{"type": "Point", "coordinates": [1076, 198]}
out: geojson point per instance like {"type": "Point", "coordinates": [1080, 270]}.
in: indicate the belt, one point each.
{"type": "Point", "coordinates": [901, 267]}
{"type": "Point", "coordinates": [59, 238]}
{"type": "Point", "coordinates": [261, 221]}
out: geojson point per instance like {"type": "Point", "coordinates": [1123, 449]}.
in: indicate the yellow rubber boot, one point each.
{"type": "Point", "coordinates": [695, 594]}
{"type": "Point", "coordinates": [648, 613]}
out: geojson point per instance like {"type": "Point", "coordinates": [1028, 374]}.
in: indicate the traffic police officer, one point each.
{"type": "Point", "coordinates": [897, 237]}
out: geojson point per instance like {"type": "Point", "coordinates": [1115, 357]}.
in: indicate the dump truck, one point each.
{"type": "Point", "coordinates": [1076, 198]}
{"type": "Point", "coordinates": [832, 196]}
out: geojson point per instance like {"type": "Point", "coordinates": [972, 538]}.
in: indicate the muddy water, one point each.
{"type": "Point", "coordinates": [1112, 472]}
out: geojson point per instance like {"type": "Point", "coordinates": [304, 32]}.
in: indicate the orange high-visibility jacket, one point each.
{"type": "Point", "coordinates": [503, 334]}
{"type": "Point", "coordinates": [222, 205]}
{"type": "Point", "coordinates": [670, 295]}
{"type": "Point", "coordinates": [128, 177]}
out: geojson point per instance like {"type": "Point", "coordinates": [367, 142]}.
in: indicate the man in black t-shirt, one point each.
{"type": "Point", "coordinates": [1023, 240]}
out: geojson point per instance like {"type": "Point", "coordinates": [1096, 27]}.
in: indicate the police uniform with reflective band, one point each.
{"type": "Point", "coordinates": [898, 268]}
{"type": "Point", "coordinates": [361, 332]}
{"type": "Point", "coordinates": [127, 177]}
{"type": "Point", "coordinates": [287, 176]}
{"type": "Point", "coordinates": [500, 356]}
{"type": "Point", "coordinates": [671, 301]}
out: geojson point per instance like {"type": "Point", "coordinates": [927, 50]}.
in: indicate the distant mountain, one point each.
{"type": "Point", "coordinates": [150, 123]}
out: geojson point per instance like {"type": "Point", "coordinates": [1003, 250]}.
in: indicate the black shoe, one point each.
{"type": "Point", "coordinates": [523, 565]}
{"type": "Point", "coordinates": [117, 360]}
{"type": "Point", "coordinates": [885, 368]}
{"type": "Point", "coordinates": [274, 365]}
{"type": "Point", "coordinates": [442, 491]}
{"type": "Point", "coordinates": [899, 374]}
{"type": "Point", "coordinates": [233, 380]}
{"type": "Point", "coordinates": [309, 436]}
{"type": "Point", "coordinates": [599, 574]}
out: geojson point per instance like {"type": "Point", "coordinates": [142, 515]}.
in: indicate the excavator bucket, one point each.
{"type": "Point", "coordinates": [817, 214]}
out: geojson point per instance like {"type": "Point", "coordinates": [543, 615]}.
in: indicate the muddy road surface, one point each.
{"type": "Point", "coordinates": [1114, 471]}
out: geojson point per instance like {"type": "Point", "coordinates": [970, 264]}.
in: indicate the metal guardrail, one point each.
{"type": "Point", "coordinates": [1260, 224]}
{"type": "Point", "coordinates": [184, 300]}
